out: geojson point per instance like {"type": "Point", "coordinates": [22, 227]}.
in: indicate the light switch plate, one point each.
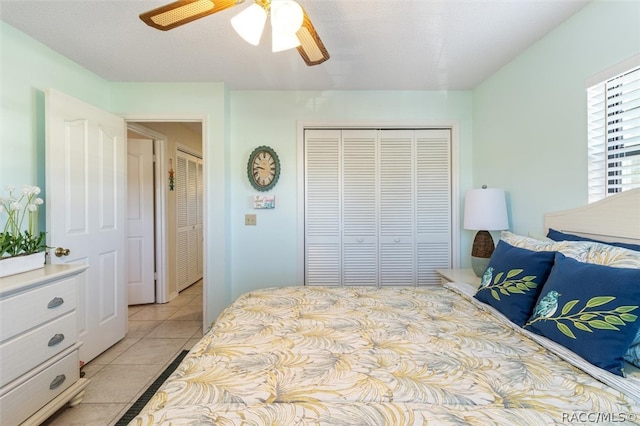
{"type": "Point", "coordinates": [250, 219]}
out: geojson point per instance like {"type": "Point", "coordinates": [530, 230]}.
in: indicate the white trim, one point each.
{"type": "Point", "coordinates": [452, 125]}
{"type": "Point", "coordinates": [455, 193]}
{"type": "Point", "coordinates": [160, 188]}
{"type": "Point", "coordinates": [187, 150]}
{"type": "Point", "coordinates": [613, 71]}
{"type": "Point", "coordinates": [300, 197]}
{"type": "Point", "coordinates": [163, 118]}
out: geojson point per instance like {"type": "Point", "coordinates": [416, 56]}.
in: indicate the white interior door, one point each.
{"type": "Point", "coordinates": [86, 201]}
{"type": "Point", "coordinates": [140, 220]}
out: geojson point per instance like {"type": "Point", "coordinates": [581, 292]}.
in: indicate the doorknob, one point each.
{"type": "Point", "coordinates": [62, 252]}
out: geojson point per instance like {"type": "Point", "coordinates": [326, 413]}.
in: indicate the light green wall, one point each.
{"type": "Point", "coordinates": [209, 102]}
{"type": "Point", "coordinates": [27, 68]}
{"type": "Point", "coordinates": [238, 258]}
{"type": "Point", "coordinates": [522, 129]}
{"type": "Point", "coordinates": [265, 255]}
{"type": "Point", "coordinates": [529, 118]}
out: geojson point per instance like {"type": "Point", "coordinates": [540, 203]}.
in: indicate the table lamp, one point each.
{"type": "Point", "coordinates": [484, 210]}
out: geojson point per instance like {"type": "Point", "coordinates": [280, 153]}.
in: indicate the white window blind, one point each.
{"type": "Point", "coordinates": [614, 135]}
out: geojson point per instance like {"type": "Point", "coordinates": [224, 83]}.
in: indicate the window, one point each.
{"type": "Point", "coordinates": [614, 134]}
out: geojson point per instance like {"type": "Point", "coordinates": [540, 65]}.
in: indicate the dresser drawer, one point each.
{"type": "Point", "coordinates": [30, 349]}
{"type": "Point", "coordinates": [34, 307]}
{"type": "Point", "coordinates": [21, 402]}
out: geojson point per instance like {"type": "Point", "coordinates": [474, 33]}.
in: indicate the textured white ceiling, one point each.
{"type": "Point", "coordinates": [374, 44]}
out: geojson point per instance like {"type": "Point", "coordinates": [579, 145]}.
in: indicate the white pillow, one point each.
{"type": "Point", "coordinates": [618, 257]}
{"type": "Point", "coordinates": [578, 250]}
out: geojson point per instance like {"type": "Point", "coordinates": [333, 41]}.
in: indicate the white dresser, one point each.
{"type": "Point", "coordinates": [39, 364]}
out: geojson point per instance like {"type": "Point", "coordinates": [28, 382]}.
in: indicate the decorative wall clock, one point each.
{"type": "Point", "coordinates": [263, 168]}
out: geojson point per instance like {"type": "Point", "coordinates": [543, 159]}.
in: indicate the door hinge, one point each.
{"type": "Point", "coordinates": [154, 158]}
{"type": "Point", "coordinates": [155, 276]}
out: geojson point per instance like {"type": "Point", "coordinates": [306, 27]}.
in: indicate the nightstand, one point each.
{"type": "Point", "coordinates": [465, 275]}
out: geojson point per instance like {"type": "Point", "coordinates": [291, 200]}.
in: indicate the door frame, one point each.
{"type": "Point", "coordinates": [160, 189]}
{"type": "Point", "coordinates": [162, 171]}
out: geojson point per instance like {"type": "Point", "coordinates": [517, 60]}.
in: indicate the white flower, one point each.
{"type": "Point", "coordinates": [19, 231]}
{"type": "Point", "coordinates": [30, 190]}
{"type": "Point", "coordinates": [10, 188]}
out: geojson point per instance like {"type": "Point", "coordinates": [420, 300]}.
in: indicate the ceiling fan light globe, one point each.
{"type": "Point", "coordinates": [286, 16]}
{"type": "Point", "coordinates": [281, 41]}
{"type": "Point", "coordinates": [249, 23]}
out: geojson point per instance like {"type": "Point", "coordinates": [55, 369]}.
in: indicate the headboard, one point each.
{"type": "Point", "coordinates": [615, 218]}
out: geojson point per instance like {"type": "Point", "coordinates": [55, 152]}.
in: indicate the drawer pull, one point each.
{"type": "Point", "coordinates": [55, 302]}
{"type": "Point", "coordinates": [56, 339]}
{"type": "Point", "coordinates": [57, 381]}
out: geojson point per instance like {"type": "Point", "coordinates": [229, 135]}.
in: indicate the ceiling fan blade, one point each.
{"type": "Point", "coordinates": [182, 11]}
{"type": "Point", "coordinates": [311, 47]}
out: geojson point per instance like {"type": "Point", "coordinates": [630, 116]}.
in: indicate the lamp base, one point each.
{"type": "Point", "coordinates": [481, 251]}
{"type": "Point", "coordinates": [479, 265]}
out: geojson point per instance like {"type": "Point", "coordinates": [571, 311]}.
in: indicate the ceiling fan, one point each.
{"type": "Point", "coordinates": [291, 27]}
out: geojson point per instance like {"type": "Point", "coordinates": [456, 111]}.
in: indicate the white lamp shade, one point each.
{"type": "Point", "coordinates": [485, 209]}
{"type": "Point", "coordinates": [286, 16]}
{"type": "Point", "coordinates": [286, 20]}
{"type": "Point", "coordinates": [249, 23]}
{"type": "Point", "coordinates": [281, 41]}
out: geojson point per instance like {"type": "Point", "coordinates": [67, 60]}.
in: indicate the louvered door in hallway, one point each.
{"type": "Point", "coordinates": [189, 201]}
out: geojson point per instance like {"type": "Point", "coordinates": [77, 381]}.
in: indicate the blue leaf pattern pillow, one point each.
{"type": "Point", "coordinates": [590, 309]}
{"type": "Point", "coordinates": [512, 280]}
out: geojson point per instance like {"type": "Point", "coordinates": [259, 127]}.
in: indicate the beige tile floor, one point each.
{"type": "Point", "coordinates": [157, 333]}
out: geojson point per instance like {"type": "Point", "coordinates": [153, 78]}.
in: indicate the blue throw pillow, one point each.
{"type": "Point", "coordinates": [562, 236]}
{"type": "Point", "coordinates": [591, 309]}
{"type": "Point", "coordinates": [513, 279]}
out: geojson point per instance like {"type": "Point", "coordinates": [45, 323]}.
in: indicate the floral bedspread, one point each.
{"type": "Point", "coordinates": [369, 356]}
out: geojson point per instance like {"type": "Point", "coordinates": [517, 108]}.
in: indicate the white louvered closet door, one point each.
{"type": "Point", "coordinates": [359, 211]}
{"type": "Point", "coordinates": [188, 219]}
{"type": "Point", "coordinates": [397, 208]}
{"type": "Point", "coordinates": [323, 222]}
{"type": "Point", "coordinates": [433, 204]}
{"type": "Point", "coordinates": [377, 206]}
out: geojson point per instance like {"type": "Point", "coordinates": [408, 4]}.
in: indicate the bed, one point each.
{"type": "Point", "coordinates": [431, 355]}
